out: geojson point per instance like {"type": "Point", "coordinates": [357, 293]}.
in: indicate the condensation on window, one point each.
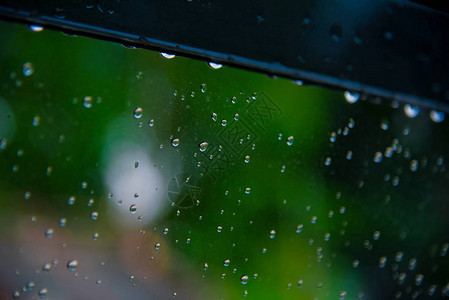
{"type": "Point", "coordinates": [130, 174]}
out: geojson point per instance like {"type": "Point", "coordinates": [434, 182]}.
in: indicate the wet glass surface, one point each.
{"type": "Point", "coordinates": [127, 174]}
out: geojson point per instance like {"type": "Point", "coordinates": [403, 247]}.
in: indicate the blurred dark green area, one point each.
{"type": "Point", "coordinates": [292, 191]}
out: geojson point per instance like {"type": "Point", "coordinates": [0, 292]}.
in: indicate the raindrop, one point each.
{"type": "Point", "coordinates": [247, 157]}
{"type": "Point", "coordinates": [36, 121]}
{"type": "Point", "coordinates": [236, 116]}
{"type": "Point", "coordinates": [411, 111]}
{"type": "Point", "coordinates": [165, 231]}
{"type": "Point", "coordinates": [28, 69]}
{"type": "Point", "coordinates": [299, 228]}
{"type": "Point", "coordinates": [351, 97]}
{"type": "Point", "coordinates": [203, 87]}
{"type": "Point", "coordinates": [290, 140]}
{"type": "Point", "coordinates": [136, 164]}
{"type": "Point", "coordinates": [27, 195]}
{"type": "Point", "coordinates": [167, 56]}
{"type": "Point", "coordinates": [436, 116]}
{"type": "Point", "coordinates": [272, 234]}
{"type": "Point", "coordinates": [43, 293]}
{"type": "Point", "coordinates": [414, 165]}
{"type": "Point", "coordinates": [214, 116]}
{"type": "Point", "coordinates": [327, 161]}
{"type": "Point", "coordinates": [46, 267]}
{"type": "Point", "coordinates": [87, 101]}
{"type": "Point", "coordinates": [203, 146]}
{"type": "Point", "coordinates": [175, 142]}
{"type": "Point", "coordinates": [355, 263]}
{"type": "Point", "coordinates": [377, 157]}
{"type": "Point", "coordinates": [133, 208]}
{"type": "Point", "coordinates": [227, 262]}
{"type": "Point", "coordinates": [138, 113]}
{"type": "Point", "coordinates": [36, 28]}
{"type": "Point", "coordinates": [94, 215]}
{"type": "Point", "coordinates": [215, 66]}
{"type": "Point", "coordinates": [16, 294]}
{"type": "Point", "coordinates": [62, 222]}
{"type": "Point", "coordinates": [384, 125]}
{"type": "Point", "coordinates": [72, 265]}
{"type": "Point", "coordinates": [219, 229]}
{"type": "Point", "coordinates": [349, 155]}
{"type": "Point", "coordinates": [224, 123]}
{"type": "Point", "coordinates": [247, 190]}
{"type": "Point", "coordinates": [382, 261]}
{"type": "Point", "coordinates": [244, 279]}
{"type": "Point", "coordinates": [49, 233]}
{"type": "Point", "coordinates": [157, 246]}
{"type": "Point", "coordinates": [151, 123]}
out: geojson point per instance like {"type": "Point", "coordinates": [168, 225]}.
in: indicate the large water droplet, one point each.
{"type": "Point", "coordinates": [351, 97]}
{"type": "Point", "coordinates": [215, 66]}
{"type": "Point", "coordinates": [167, 56]}
{"type": "Point", "coordinates": [203, 146]}
{"type": "Point", "coordinates": [72, 265]}
{"type": "Point", "coordinates": [138, 113]}
{"type": "Point", "coordinates": [436, 116]}
{"type": "Point", "coordinates": [411, 111]}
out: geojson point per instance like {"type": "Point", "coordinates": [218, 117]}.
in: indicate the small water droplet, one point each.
{"type": "Point", "coordinates": [247, 158]}
{"type": "Point", "coordinates": [236, 116]}
{"type": "Point", "coordinates": [166, 231]}
{"type": "Point", "coordinates": [72, 265]}
{"type": "Point", "coordinates": [299, 228]}
{"type": "Point", "coordinates": [384, 124]}
{"type": "Point", "coordinates": [87, 101]}
{"type": "Point", "coordinates": [351, 97]}
{"type": "Point", "coordinates": [151, 123]}
{"type": "Point", "coordinates": [215, 66]}
{"type": "Point", "coordinates": [157, 246]}
{"type": "Point", "coordinates": [46, 267]}
{"type": "Point", "coordinates": [349, 155]}
{"type": "Point", "coordinates": [175, 142]}
{"type": "Point", "coordinates": [327, 161]}
{"type": "Point", "coordinates": [94, 215]}
{"type": "Point", "coordinates": [62, 222]}
{"type": "Point", "coordinates": [49, 233]}
{"type": "Point", "coordinates": [355, 263]}
{"type": "Point", "coordinates": [203, 87]}
{"type": "Point", "coordinates": [247, 190]}
{"type": "Point", "coordinates": [290, 140]}
{"type": "Point", "coordinates": [224, 123]}
{"type": "Point", "coordinates": [28, 69]}
{"type": "Point", "coordinates": [203, 146]}
{"type": "Point", "coordinates": [411, 111]}
{"type": "Point", "coordinates": [378, 157]}
{"type": "Point", "coordinates": [133, 208]}
{"type": "Point", "coordinates": [436, 116]}
{"type": "Point", "coordinates": [138, 113]}
{"type": "Point", "coordinates": [36, 121]}
{"type": "Point", "coordinates": [167, 56]}
{"type": "Point", "coordinates": [214, 117]}
{"type": "Point", "coordinates": [244, 279]}
{"type": "Point", "coordinates": [43, 293]}
{"type": "Point", "coordinates": [272, 234]}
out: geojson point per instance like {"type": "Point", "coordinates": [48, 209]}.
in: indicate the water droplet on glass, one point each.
{"type": "Point", "coordinates": [290, 140]}
{"type": "Point", "coordinates": [299, 228]}
{"type": "Point", "coordinates": [16, 294]}
{"type": "Point", "coordinates": [355, 263]}
{"type": "Point", "coordinates": [133, 208]}
{"type": "Point", "coordinates": [411, 111]}
{"type": "Point", "coordinates": [94, 215]}
{"type": "Point", "coordinates": [87, 101]}
{"type": "Point", "coordinates": [214, 66]}
{"type": "Point", "coordinates": [214, 116]}
{"type": "Point", "coordinates": [244, 279]}
{"type": "Point", "coordinates": [247, 159]}
{"type": "Point", "coordinates": [327, 161]}
{"type": "Point", "coordinates": [46, 267]}
{"type": "Point", "coordinates": [138, 113]}
{"type": "Point", "coordinates": [219, 229]}
{"type": "Point", "coordinates": [203, 87]}
{"type": "Point", "coordinates": [349, 155]}
{"type": "Point", "coordinates": [36, 28]}
{"type": "Point", "coordinates": [272, 234]}
{"type": "Point", "coordinates": [49, 233]}
{"type": "Point", "coordinates": [203, 146]}
{"type": "Point", "coordinates": [62, 222]}
{"type": "Point", "coordinates": [227, 262]}
{"type": "Point", "coordinates": [377, 157]}
{"type": "Point", "coordinates": [436, 116]}
{"type": "Point", "coordinates": [28, 69]}
{"type": "Point", "coordinates": [151, 123]}
{"type": "Point", "coordinates": [247, 190]}
{"type": "Point", "coordinates": [157, 246]}
{"type": "Point", "coordinates": [43, 293]}
{"type": "Point", "coordinates": [72, 265]}
{"type": "Point", "coordinates": [384, 125]}
{"type": "Point", "coordinates": [351, 97]}
{"type": "Point", "coordinates": [167, 56]}
{"type": "Point", "coordinates": [419, 279]}
{"type": "Point", "coordinates": [165, 231]}
{"type": "Point", "coordinates": [36, 121]}
{"type": "Point", "coordinates": [224, 123]}
{"type": "Point", "coordinates": [236, 116]}
{"type": "Point", "coordinates": [175, 142]}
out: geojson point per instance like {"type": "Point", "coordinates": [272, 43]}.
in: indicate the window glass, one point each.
{"type": "Point", "coordinates": [131, 174]}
